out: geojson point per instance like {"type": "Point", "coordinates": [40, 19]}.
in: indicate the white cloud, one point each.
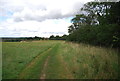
{"type": "Point", "coordinates": [35, 28]}
{"type": "Point", "coordinates": [41, 9]}
{"type": "Point", "coordinates": [37, 17]}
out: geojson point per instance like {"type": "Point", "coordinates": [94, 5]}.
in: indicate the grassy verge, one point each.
{"type": "Point", "coordinates": [58, 60]}
{"type": "Point", "coordinates": [90, 62]}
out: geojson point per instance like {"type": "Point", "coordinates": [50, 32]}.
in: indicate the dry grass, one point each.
{"type": "Point", "coordinates": [86, 61]}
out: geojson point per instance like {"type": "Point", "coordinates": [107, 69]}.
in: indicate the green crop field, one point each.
{"type": "Point", "coordinates": [58, 60]}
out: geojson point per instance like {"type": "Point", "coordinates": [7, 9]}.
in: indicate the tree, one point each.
{"type": "Point", "coordinates": [115, 13]}
{"type": "Point", "coordinates": [51, 37]}
{"type": "Point", "coordinates": [99, 25]}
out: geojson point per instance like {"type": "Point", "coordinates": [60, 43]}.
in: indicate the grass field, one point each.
{"type": "Point", "coordinates": [58, 60]}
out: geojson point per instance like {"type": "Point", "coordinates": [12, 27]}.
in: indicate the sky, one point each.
{"type": "Point", "coordinates": [43, 18]}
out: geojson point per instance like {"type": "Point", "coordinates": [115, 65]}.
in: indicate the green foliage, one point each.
{"type": "Point", "coordinates": [52, 37]}
{"type": "Point", "coordinates": [18, 39]}
{"type": "Point", "coordinates": [105, 35]}
{"type": "Point", "coordinates": [100, 25]}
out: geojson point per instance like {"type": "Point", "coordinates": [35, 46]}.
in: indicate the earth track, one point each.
{"type": "Point", "coordinates": [64, 64]}
{"type": "Point", "coordinates": [31, 64]}
{"type": "Point", "coordinates": [46, 59]}
{"type": "Point", "coordinates": [43, 75]}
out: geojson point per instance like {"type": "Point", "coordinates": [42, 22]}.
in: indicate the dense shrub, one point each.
{"type": "Point", "coordinates": [105, 35]}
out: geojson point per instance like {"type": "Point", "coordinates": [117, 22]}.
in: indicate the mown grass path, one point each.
{"type": "Point", "coordinates": [49, 65]}
{"type": "Point", "coordinates": [43, 75]}
{"type": "Point", "coordinates": [58, 60]}
{"type": "Point", "coordinates": [27, 70]}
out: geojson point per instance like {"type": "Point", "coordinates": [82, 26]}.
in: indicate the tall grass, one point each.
{"type": "Point", "coordinates": [67, 60]}
{"type": "Point", "coordinates": [90, 62]}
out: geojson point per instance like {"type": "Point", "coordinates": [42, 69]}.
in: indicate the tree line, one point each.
{"type": "Point", "coordinates": [19, 39]}
{"type": "Point", "coordinates": [99, 24]}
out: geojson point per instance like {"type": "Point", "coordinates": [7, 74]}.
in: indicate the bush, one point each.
{"type": "Point", "coordinates": [105, 35]}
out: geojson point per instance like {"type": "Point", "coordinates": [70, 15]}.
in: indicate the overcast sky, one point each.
{"type": "Point", "coordinates": [29, 18]}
